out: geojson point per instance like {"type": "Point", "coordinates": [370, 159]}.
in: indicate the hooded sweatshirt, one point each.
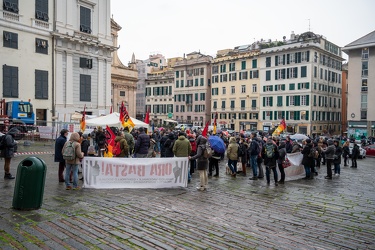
{"type": "Point", "coordinates": [74, 138]}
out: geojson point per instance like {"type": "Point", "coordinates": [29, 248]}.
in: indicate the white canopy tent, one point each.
{"type": "Point", "coordinates": [113, 120]}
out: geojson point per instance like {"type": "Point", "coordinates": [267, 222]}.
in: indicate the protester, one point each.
{"type": "Point", "coordinates": [168, 145]}
{"type": "Point", "coordinates": [308, 160]}
{"type": "Point", "coordinates": [72, 165]}
{"type": "Point", "coordinates": [345, 153]}
{"type": "Point", "coordinates": [232, 154]}
{"type": "Point", "coordinates": [288, 145]}
{"type": "Point", "coordinates": [355, 155]}
{"type": "Point", "coordinates": [270, 154]}
{"type": "Point", "coordinates": [164, 138]}
{"type": "Point", "coordinates": [85, 144]}
{"type": "Point", "coordinates": [329, 153]}
{"type": "Point", "coordinates": [182, 148]}
{"type": "Point", "coordinates": [129, 140]}
{"type": "Point", "coordinates": [243, 148]}
{"type": "Point", "coordinates": [191, 138]}
{"type": "Point", "coordinates": [253, 154]}
{"type": "Point", "coordinates": [142, 145]}
{"type": "Point", "coordinates": [100, 141]}
{"type": "Point", "coordinates": [151, 150]}
{"type": "Point", "coordinates": [214, 164]}
{"type": "Point", "coordinates": [202, 163]}
{"type": "Point", "coordinates": [120, 138]}
{"type": "Point", "coordinates": [10, 147]}
{"type": "Point", "coordinates": [282, 155]}
{"type": "Point", "coordinates": [337, 157]}
{"type": "Point", "coordinates": [59, 144]}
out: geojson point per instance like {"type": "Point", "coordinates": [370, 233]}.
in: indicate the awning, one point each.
{"type": "Point", "coordinates": [170, 120]}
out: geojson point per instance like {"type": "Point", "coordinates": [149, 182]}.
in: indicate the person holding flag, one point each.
{"type": "Point", "coordinates": [280, 128]}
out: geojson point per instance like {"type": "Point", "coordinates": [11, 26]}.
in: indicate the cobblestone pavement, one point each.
{"type": "Point", "coordinates": [231, 214]}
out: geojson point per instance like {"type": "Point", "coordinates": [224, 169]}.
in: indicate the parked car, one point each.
{"type": "Point", "coordinates": [362, 151]}
{"type": "Point", "coordinates": [370, 150]}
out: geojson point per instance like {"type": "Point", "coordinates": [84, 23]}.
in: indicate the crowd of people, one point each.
{"type": "Point", "coordinates": [256, 152]}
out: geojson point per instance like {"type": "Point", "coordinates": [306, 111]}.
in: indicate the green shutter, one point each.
{"type": "Point", "coordinates": [275, 74]}
{"type": "Point", "coordinates": [307, 115]}
{"type": "Point", "coordinates": [271, 88]}
{"type": "Point", "coordinates": [275, 115]}
{"type": "Point", "coordinates": [264, 115]}
{"type": "Point", "coordinates": [287, 101]}
{"type": "Point", "coordinates": [279, 101]}
{"type": "Point", "coordinates": [270, 115]}
{"type": "Point", "coordinates": [254, 63]}
{"type": "Point", "coordinates": [299, 85]}
{"type": "Point", "coordinates": [264, 101]}
{"type": "Point", "coordinates": [264, 88]}
{"type": "Point", "coordinates": [283, 87]}
{"type": "Point", "coordinates": [307, 100]}
{"type": "Point", "coordinates": [271, 99]}
{"type": "Point", "coordinates": [283, 114]}
{"type": "Point", "coordinates": [297, 100]}
{"type": "Point", "coordinates": [268, 75]}
{"type": "Point", "coordinates": [307, 85]}
{"type": "Point", "coordinates": [287, 115]}
{"type": "Point", "coordinates": [276, 60]}
{"type": "Point", "coordinates": [303, 71]}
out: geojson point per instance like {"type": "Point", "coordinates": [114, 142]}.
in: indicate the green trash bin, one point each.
{"type": "Point", "coordinates": [29, 187]}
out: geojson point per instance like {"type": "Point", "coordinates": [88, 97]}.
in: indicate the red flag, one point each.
{"type": "Point", "coordinates": [147, 118]}
{"type": "Point", "coordinates": [110, 139]}
{"type": "Point", "coordinates": [110, 111]}
{"type": "Point", "coordinates": [121, 118]}
{"type": "Point", "coordinates": [205, 130]}
{"type": "Point", "coordinates": [83, 121]}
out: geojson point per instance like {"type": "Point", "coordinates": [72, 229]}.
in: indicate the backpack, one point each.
{"type": "Point", "coordinates": [69, 152]}
{"type": "Point", "coordinates": [2, 142]}
{"type": "Point", "coordinates": [270, 150]}
{"type": "Point", "coordinates": [313, 153]}
{"type": "Point", "coordinates": [208, 151]}
{"type": "Point", "coordinates": [241, 150]}
{"type": "Point", "coordinates": [116, 151]}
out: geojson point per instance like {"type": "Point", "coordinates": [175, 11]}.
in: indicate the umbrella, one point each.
{"type": "Point", "coordinates": [298, 137]}
{"type": "Point", "coordinates": [217, 144]}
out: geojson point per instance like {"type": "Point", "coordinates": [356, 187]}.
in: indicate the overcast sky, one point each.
{"type": "Point", "coordinates": [175, 27]}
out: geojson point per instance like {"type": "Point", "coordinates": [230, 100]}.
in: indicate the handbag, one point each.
{"type": "Point", "coordinates": [286, 163]}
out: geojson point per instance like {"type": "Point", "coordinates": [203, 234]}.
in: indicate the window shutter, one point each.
{"type": "Point", "coordinates": [271, 100]}
{"type": "Point", "coordinates": [307, 100]}
{"type": "Point", "coordinates": [284, 59]}
{"type": "Point", "coordinates": [287, 115]}
{"type": "Point", "coordinates": [296, 72]}
{"type": "Point", "coordinates": [287, 58]}
{"type": "Point", "coordinates": [307, 115]}
{"type": "Point", "coordinates": [276, 60]}
{"type": "Point", "coordinates": [283, 114]}
{"type": "Point", "coordinates": [297, 100]}
{"type": "Point", "coordinates": [268, 75]}
{"type": "Point", "coordinates": [275, 74]}
{"type": "Point", "coordinates": [303, 71]}
{"type": "Point", "coordinates": [279, 101]}
{"type": "Point", "coordinates": [307, 85]}
{"type": "Point", "coordinates": [283, 87]}
{"type": "Point", "coordinates": [287, 101]}
{"type": "Point", "coordinates": [299, 86]}
{"type": "Point", "coordinates": [283, 73]}
{"type": "Point", "coordinates": [264, 88]}
{"type": "Point", "coordinates": [270, 115]}
{"type": "Point", "coordinates": [308, 56]}
{"type": "Point", "coordinates": [254, 63]}
{"type": "Point", "coordinates": [275, 115]}
{"type": "Point", "coordinates": [264, 101]}
{"type": "Point", "coordinates": [271, 88]}
{"type": "Point", "coordinates": [264, 115]}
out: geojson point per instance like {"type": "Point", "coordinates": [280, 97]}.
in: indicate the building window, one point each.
{"type": "Point", "coordinates": [232, 76]}
{"type": "Point", "coordinates": [10, 81]}
{"type": "Point", "coordinates": [254, 88]}
{"type": "Point", "coordinates": [365, 53]}
{"type": "Point", "coordinates": [177, 74]}
{"type": "Point", "coordinates": [41, 10]}
{"type": "Point", "coordinates": [268, 61]}
{"type": "Point", "coordinates": [364, 85]}
{"type": "Point", "coordinates": [215, 69]}
{"type": "Point", "coordinates": [253, 104]}
{"type": "Point", "coordinates": [254, 63]}
{"type": "Point", "coordinates": [85, 88]}
{"type": "Point", "coordinates": [243, 75]}
{"type": "Point", "coordinates": [41, 46]}
{"type": "Point", "coordinates": [232, 104]}
{"type": "Point", "coordinates": [364, 115]}
{"type": "Point", "coordinates": [268, 75]}
{"type": "Point", "coordinates": [85, 63]}
{"type": "Point", "coordinates": [364, 68]}
{"type": "Point", "coordinates": [254, 74]}
{"type": "Point", "coordinates": [232, 66]}
{"type": "Point", "coordinates": [243, 88]}
{"type": "Point", "coordinates": [202, 82]}
{"type": "Point", "coordinates": [304, 71]}
{"type": "Point", "coordinates": [223, 104]}
{"type": "Point", "coordinates": [85, 20]}
{"type": "Point", "coordinates": [122, 93]}
{"type": "Point", "coordinates": [10, 40]}
{"type": "Point", "coordinates": [243, 65]}
{"type": "Point", "coordinates": [41, 84]}
{"type": "Point", "coordinates": [267, 101]}
{"type": "Point", "coordinates": [364, 101]}
{"type": "Point", "coordinates": [232, 89]}
{"type": "Point", "coordinates": [11, 5]}
{"type": "Point", "coordinates": [223, 68]}
{"type": "Point", "coordinates": [224, 78]}
{"type": "Point", "coordinates": [224, 90]}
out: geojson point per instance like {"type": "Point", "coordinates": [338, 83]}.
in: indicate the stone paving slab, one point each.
{"type": "Point", "coordinates": [231, 214]}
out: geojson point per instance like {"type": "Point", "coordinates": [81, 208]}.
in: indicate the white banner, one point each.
{"type": "Point", "coordinates": [102, 172]}
{"type": "Point", "coordinates": [296, 168]}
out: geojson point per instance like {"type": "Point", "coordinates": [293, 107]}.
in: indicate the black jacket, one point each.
{"type": "Point", "coordinates": [306, 160]}
{"type": "Point", "coordinates": [10, 145]}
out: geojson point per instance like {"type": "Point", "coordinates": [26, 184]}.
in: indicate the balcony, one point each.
{"type": "Point", "coordinates": [40, 24]}
{"type": "Point", "coordinates": [11, 16]}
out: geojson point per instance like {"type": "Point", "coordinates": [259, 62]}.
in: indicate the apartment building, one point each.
{"type": "Point", "coordinates": [83, 49]}
{"type": "Point", "coordinates": [192, 95]}
{"type": "Point", "coordinates": [155, 62]}
{"type": "Point", "coordinates": [300, 81]}
{"type": "Point", "coordinates": [26, 50]}
{"type": "Point", "coordinates": [123, 78]}
{"type": "Point", "coordinates": [235, 88]}
{"type": "Point", "coordinates": [361, 79]}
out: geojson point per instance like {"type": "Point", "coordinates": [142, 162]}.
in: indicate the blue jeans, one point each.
{"type": "Point", "coordinates": [254, 164]}
{"type": "Point", "coordinates": [337, 168]}
{"type": "Point", "coordinates": [268, 174]}
{"type": "Point", "coordinates": [232, 164]}
{"type": "Point", "coordinates": [307, 170]}
{"type": "Point", "coordinates": [74, 169]}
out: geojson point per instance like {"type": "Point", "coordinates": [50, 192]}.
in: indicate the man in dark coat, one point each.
{"type": "Point", "coordinates": [142, 144]}
{"type": "Point", "coordinates": [10, 146]}
{"type": "Point", "coordinates": [270, 159]}
{"type": "Point", "coordinates": [308, 160]}
{"type": "Point", "coordinates": [59, 144]}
